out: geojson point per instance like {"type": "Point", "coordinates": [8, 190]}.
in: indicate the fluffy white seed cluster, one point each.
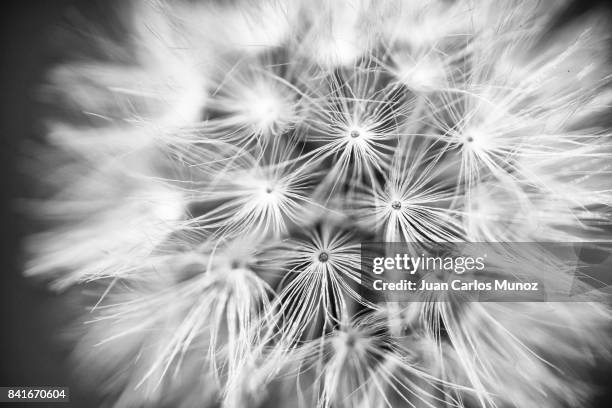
{"type": "Point", "coordinates": [223, 162]}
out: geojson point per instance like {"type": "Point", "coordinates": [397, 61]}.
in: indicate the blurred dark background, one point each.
{"type": "Point", "coordinates": [31, 350]}
{"type": "Point", "coordinates": [32, 318]}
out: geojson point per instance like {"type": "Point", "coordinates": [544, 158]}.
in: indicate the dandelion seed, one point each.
{"type": "Point", "coordinates": [266, 195]}
{"type": "Point", "coordinates": [421, 73]}
{"type": "Point", "coordinates": [337, 32]}
{"type": "Point", "coordinates": [320, 281]}
{"type": "Point", "coordinates": [357, 126]}
{"type": "Point", "coordinates": [253, 104]}
{"type": "Point", "coordinates": [413, 204]}
{"type": "Point", "coordinates": [360, 364]}
{"type": "Point", "coordinates": [226, 28]}
{"type": "Point", "coordinates": [217, 308]}
{"type": "Point", "coordinates": [112, 243]}
{"type": "Point", "coordinates": [427, 23]}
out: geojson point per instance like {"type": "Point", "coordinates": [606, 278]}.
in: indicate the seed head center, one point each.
{"type": "Point", "coordinates": [323, 257]}
{"type": "Point", "coordinates": [396, 205]}
{"type": "Point", "coordinates": [350, 340]}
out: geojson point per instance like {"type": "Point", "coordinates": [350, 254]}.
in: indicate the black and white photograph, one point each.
{"type": "Point", "coordinates": [306, 204]}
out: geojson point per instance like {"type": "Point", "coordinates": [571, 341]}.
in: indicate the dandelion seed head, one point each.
{"type": "Point", "coordinates": [218, 169]}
